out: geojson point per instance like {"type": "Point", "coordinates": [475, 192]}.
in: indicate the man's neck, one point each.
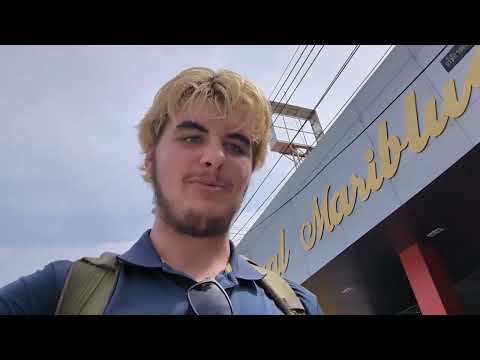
{"type": "Point", "coordinates": [198, 257]}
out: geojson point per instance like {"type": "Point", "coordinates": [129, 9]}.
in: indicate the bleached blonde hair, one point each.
{"type": "Point", "coordinates": [231, 94]}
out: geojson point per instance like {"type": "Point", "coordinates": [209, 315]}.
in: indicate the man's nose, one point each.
{"type": "Point", "coordinates": [213, 155]}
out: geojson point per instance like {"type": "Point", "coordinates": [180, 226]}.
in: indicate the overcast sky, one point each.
{"type": "Point", "coordinates": [69, 184]}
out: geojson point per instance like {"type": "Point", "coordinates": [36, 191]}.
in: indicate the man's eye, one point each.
{"type": "Point", "coordinates": [193, 139]}
{"type": "Point", "coordinates": [235, 148]}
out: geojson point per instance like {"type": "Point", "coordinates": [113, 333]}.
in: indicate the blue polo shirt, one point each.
{"type": "Point", "coordinates": [148, 286]}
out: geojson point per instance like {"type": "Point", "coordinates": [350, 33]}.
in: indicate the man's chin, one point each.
{"type": "Point", "coordinates": [211, 208]}
{"type": "Point", "coordinates": [195, 217]}
{"type": "Point", "coordinates": [209, 216]}
{"type": "Point", "coordinates": [201, 225]}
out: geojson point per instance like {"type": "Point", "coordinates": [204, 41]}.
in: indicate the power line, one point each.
{"type": "Point", "coordinates": [355, 138]}
{"type": "Point", "coordinates": [284, 71]}
{"type": "Point", "coordinates": [291, 83]}
{"type": "Point", "coordinates": [330, 122]}
{"type": "Point", "coordinates": [260, 206]}
{"type": "Point", "coordinates": [268, 174]}
{"type": "Point", "coordinates": [298, 84]}
{"type": "Point", "coordinates": [358, 87]}
{"type": "Point", "coordinates": [311, 113]}
{"type": "Point", "coordinates": [308, 117]}
{"type": "Point", "coordinates": [290, 73]}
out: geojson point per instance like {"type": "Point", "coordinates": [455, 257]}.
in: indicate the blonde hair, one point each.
{"type": "Point", "coordinates": [228, 91]}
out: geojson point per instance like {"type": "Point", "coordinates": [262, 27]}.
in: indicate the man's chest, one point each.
{"type": "Point", "coordinates": [158, 293]}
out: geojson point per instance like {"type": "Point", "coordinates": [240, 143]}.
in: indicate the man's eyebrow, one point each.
{"type": "Point", "coordinates": [191, 125]}
{"type": "Point", "coordinates": [239, 137]}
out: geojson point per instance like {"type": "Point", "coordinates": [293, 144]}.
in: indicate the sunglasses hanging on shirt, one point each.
{"type": "Point", "coordinates": [208, 297]}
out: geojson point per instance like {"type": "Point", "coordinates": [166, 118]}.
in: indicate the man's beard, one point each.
{"type": "Point", "coordinates": [191, 223]}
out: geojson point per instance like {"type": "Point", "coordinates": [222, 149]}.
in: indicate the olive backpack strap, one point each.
{"type": "Point", "coordinates": [89, 286]}
{"type": "Point", "coordinates": [91, 281]}
{"type": "Point", "coordinates": [280, 291]}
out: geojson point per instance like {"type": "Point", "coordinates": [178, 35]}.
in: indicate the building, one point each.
{"type": "Point", "coordinates": [380, 218]}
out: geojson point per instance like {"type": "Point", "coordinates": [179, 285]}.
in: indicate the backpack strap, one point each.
{"type": "Point", "coordinates": [87, 277]}
{"type": "Point", "coordinates": [280, 291]}
{"type": "Point", "coordinates": [98, 276]}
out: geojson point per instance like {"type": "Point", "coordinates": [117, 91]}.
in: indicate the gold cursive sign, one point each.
{"type": "Point", "coordinates": [279, 262]}
{"type": "Point", "coordinates": [330, 212]}
{"type": "Point", "coordinates": [389, 154]}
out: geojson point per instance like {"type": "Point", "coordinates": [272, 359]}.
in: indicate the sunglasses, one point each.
{"type": "Point", "coordinates": [208, 297]}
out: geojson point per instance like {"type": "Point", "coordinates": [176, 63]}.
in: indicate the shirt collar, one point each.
{"type": "Point", "coordinates": [241, 268]}
{"type": "Point", "coordinates": [143, 254]}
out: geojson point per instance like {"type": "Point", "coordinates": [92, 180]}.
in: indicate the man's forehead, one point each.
{"type": "Point", "coordinates": [214, 120]}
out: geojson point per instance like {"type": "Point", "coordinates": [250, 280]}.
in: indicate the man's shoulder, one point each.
{"type": "Point", "coordinates": [308, 298]}
{"type": "Point", "coordinates": [36, 293]}
{"type": "Point", "coordinates": [60, 267]}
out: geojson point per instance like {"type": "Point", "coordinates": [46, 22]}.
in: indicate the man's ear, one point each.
{"type": "Point", "coordinates": [149, 160]}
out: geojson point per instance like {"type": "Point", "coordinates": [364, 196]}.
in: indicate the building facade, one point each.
{"type": "Point", "coordinates": [380, 218]}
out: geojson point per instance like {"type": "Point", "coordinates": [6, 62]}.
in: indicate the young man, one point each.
{"type": "Point", "coordinates": [204, 135]}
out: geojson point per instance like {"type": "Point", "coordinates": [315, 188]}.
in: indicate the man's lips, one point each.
{"type": "Point", "coordinates": [208, 182]}
{"type": "Point", "coordinates": [208, 185]}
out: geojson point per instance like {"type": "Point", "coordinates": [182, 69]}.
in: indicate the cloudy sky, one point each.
{"type": "Point", "coordinates": [69, 183]}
